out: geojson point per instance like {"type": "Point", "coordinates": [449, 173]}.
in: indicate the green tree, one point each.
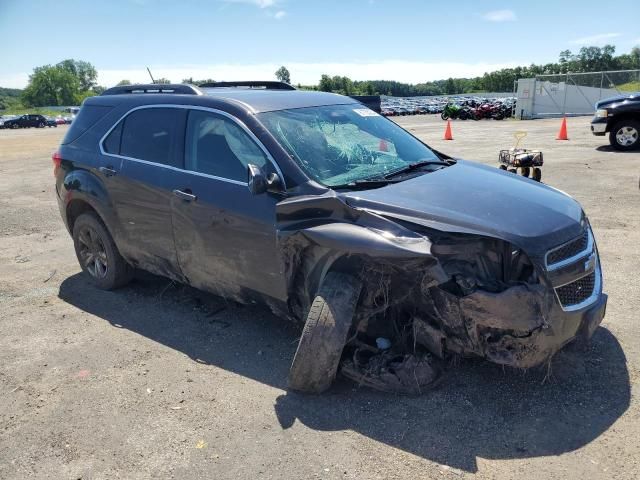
{"type": "Point", "coordinates": [283, 75]}
{"type": "Point", "coordinates": [85, 72]}
{"type": "Point", "coordinates": [325, 85]}
{"type": "Point", "coordinates": [51, 85]}
{"type": "Point", "coordinates": [123, 82]}
{"type": "Point", "coordinates": [163, 81]}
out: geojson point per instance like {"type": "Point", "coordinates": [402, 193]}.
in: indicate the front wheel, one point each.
{"type": "Point", "coordinates": [98, 254]}
{"type": "Point", "coordinates": [317, 358]}
{"type": "Point", "coordinates": [444, 116]}
{"type": "Point", "coordinates": [624, 135]}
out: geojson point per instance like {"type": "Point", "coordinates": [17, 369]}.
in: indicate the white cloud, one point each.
{"type": "Point", "coordinates": [500, 16]}
{"type": "Point", "coordinates": [257, 3]}
{"type": "Point", "coordinates": [279, 15]}
{"type": "Point", "coordinates": [598, 39]}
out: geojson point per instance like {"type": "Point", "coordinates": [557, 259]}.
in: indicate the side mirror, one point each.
{"type": "Point", "coordinates": [257, 181]}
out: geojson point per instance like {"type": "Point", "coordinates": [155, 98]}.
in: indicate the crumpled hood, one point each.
{"type": "Point", "coordinates": [472, 198]}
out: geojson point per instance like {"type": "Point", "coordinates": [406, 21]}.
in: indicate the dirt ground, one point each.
{"type": "Point", "coordinates": [161, 381]}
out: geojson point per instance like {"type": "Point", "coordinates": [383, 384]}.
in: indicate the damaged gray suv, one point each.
{"type": "Point", "coordinates": [332, 216]}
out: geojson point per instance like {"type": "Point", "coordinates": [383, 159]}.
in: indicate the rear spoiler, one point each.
{"type": "Point", "coordinates": [371, 101]}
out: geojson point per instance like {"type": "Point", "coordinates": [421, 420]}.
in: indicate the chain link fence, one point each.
{"type": "Point", "coordinates": [571, 93]}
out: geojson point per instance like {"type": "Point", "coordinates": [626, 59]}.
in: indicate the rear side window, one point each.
{"type": "Point", "coordinates": [112, 142]}
{"type": "Point", "coordinates": [86, 118]}
{"type": "Point", "coordinates": [154, 135]}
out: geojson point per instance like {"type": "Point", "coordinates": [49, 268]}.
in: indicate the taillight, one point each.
{"type": "Point", "coordinates": [57, 160]}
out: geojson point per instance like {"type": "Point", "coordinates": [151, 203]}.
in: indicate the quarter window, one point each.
{"type": "Point", "coordinates": [152, 134]}
{"type": "Point", "coordinates": [217, 146]}
{"type": "Point", "coordinates": [112, 142]}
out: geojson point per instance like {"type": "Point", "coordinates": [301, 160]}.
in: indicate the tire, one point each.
{"type": "Point", "coordinates": [503, 167]}
{"type": "Point", "coordinates": [41, 125]}
{"type": "Point", "coordinates": [524, 171]}
{"type": "Point", "coordinates": [444, 116]}
{"type": "Point", "coordinates": [625, 135]}
{"type": "Point", "coordinates": [537, 174]}
{"type": "Point", "coordinates": [513, 170]}
{"type": "Point", "coordinates": [325, 333]}
{"type": "Point", "coordinates": [92, 241]}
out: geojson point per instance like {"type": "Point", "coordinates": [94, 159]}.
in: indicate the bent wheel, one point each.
{"type": "Point", "coordinates": [325, 333]}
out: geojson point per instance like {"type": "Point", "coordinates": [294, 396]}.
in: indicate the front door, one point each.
{"type": "Point", "coordinates": [225, 236]}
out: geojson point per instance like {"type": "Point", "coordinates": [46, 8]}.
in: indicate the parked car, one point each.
{"type": "Point", "coordinates": [331, 215]}
{"type": "Point", "coordinates": [620, 118]}
{"type": "Point", "coordinates": [51, 122]}
{"type": "Point", "coordinates": [26, 121]}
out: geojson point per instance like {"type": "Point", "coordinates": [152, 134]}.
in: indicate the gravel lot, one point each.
{"type": "Point", "coordinates": [162, 381]}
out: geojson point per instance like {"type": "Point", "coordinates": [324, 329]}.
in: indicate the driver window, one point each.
{"type": "Point", "coordinates": [217, 146]}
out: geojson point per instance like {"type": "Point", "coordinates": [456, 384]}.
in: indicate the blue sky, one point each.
{"type": "Point", "coordinates": [405, 40]}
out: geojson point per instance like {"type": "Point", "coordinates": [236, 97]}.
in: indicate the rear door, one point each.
{"type": "Point", "coordinates": [225, 236]}
{"type": "Point", "coordinates": [143, 158]}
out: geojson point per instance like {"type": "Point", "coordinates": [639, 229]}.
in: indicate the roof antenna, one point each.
{"type": "Point", "coordinates": [152, 80]}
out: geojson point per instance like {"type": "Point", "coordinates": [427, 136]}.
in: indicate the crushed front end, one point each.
{"type": "Point", "coordinates": [444, 288]}
{"type": "Point", "coordinates": [500, 303]}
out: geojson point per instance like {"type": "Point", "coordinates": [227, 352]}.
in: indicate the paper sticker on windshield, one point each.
{"type": "Point", "coordinates": [365, 112]}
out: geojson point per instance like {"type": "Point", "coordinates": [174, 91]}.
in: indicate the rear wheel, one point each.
{"type": "Point", "coordinates": [625, 135]}
{"type": "Point", "coordinates": [98, 255]}
{"type": "Point", "coordinates": [325, 333]}
{"type": "Point", "coordinates": [537, 174]}
{"type": "Point", "coordinates": [41, 125]}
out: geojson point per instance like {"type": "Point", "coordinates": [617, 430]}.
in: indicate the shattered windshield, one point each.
{"type": "Point", "coordinates": [339, 145]}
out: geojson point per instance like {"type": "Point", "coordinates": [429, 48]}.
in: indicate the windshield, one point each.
{"type": "Point", "coordinates": [341, 144]}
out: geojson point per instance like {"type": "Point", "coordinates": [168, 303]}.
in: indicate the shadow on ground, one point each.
{"type": "Point", "coordinates": [481, 410]}
{"type": "Point", "coordinates": [609, 148]}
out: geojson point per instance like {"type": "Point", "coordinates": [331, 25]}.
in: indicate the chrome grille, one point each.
{"type": "Point", "coordinates": [578, 291]}
{"type": "Point", "coordinates": [568, 250]}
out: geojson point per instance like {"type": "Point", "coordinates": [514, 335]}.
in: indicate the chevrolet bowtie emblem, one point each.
{"type": "Point", "coordinates": [590, 264]}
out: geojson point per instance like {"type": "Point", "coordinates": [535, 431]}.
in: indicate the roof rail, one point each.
{"type": "Point", "coordinates": [268, 85]}
{"type": "Point", "coordinates": [180, 88]}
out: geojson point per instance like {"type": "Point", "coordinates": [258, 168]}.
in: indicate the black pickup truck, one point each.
{"type": "Point", "coordinates": [620, 118]}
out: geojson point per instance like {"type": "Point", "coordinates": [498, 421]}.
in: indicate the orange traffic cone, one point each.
{"type": "Point", "coordinates": [562, 134]}
{"type": "Point", "coordinates": [447, 132]}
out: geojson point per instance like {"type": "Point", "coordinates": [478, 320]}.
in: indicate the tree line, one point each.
{"type": "Point", "coordinates": [588, 59]}
{"type": "Point", "coordinates": [69, 82]}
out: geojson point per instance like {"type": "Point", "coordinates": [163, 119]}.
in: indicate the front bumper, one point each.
{"type": "Point", "coordinates": [599, 126]}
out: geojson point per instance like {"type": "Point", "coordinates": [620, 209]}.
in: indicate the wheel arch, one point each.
{"type": "Point", "coordinates": [84, 192]}
{"type": "Point", "coordinates": [622, 117]}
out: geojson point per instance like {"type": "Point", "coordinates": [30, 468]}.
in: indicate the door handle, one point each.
{"type": "Point", "coordinates": [185, 195]}
{"type": "Point", "coordinates": [108, 171]}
